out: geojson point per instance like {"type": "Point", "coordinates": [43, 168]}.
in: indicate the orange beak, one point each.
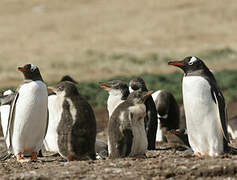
{"type": "Point", "coordinates": [22, 69]}
{"type": "Point", "coordinates": [148, 93]}
{"type": "Point", "coordinates": [51, 88]}
{"type": "Point", "coordinates": [175, 63]}
{"type": "Point", "coordinates": [104, 85]}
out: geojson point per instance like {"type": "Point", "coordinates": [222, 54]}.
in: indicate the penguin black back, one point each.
{"type": "Point", "coordinates": [167, 105]}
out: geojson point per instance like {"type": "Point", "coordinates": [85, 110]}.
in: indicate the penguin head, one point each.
{"type": "Point", "coordinates": [65, 89]}
{"type": "Point", "coordinates": [68, 78]}
{"type": "Point", "coordinates": [31, 72]}
{"type": "Point", "coordinates": [139, 97]}
{"type": "Point", "coordinates": [116, 87]}
{"type": "Point", "coordinates": [189, 64]}
{"type": "Point", "coordinates": [137, 83]}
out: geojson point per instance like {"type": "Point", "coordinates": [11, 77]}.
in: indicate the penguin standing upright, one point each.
{"type": "Point", "coordinates": [118, 93]}
{"type": "Point", "coordinates": [167, 113]}
{"type": "Point", "coordinates": [6, 101]}
{"type": "Point", "coordinates": [50, 141]}
{"type": "Point", "coordinates": [28, 117]}
{"type": "Point", "coordinates": [205, 108]}
{"type": "Point", "coordinates": [126, 130]}
{"type": "Point", "coordinates": [77, 127]}
{"type": "Point", "coordinates": [138, 84]}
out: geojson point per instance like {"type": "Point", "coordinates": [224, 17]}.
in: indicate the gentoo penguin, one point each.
{"type": "Point", "coordinates": [232, 127]}
{"type": "Point", "coordinates": [77, 126]}
{"type": "Point", "coordinates": [6, 101]}
{"type": "Point", "coordinates": [50, 141]}
{"type": "Point", "coordinates": [27, 124]}
{"type": "Point", "coordinates": [167, 113]}
{"type": "Point", "coordinates": [138, 84]}
{"type": "Point", "coordinates": [118, 93]}
{"type": "Point", "coordinates": [126, 131]}
{"type": "Point", "coordinates": [205, 108]}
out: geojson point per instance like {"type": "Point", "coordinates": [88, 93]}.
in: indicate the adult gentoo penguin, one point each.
{"type": "Point", "coordinates": [138, 84]}
{"type": "Point", "coordinates": [167, 113]}
{"type": "Point", "coordinates": [126, 131]}
{"type": "Point", "coordinates": [77, 127]}
{"type": "Point", "coordinates": [205, 108]}
{"type": "Point", "coordinates": [28, 117]}
{"type": "Point", "coordinates": [118, 93]}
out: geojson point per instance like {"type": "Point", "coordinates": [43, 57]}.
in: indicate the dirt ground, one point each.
{"type": "Point", "coordinates": [159, 164]}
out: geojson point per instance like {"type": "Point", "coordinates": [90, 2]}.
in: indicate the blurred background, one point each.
{"type": "Point", "coordinates": [94, 40]}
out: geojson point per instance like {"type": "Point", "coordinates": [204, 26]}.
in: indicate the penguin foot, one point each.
{"type": "Point", "coordinates": [21, 159]}
{"type": "Point", "coordinates": [34, 156]}
{"type": "Point", "coordinates": [198, 154]}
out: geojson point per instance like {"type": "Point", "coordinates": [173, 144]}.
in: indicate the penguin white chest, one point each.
{"type": "Point", "coordinates": [30, 121]}
{"type": "Point", "coordinates": [202, 115]}
{"type": "Point", "coordinates": [55, 108]}
{"type": "Point", "coordinates": [140, 143]}
{"type": "Point", "coordinates": [114, 100]}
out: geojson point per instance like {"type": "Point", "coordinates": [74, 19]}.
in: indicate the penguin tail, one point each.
{"type": "Point", "coordinates": [231, 150]}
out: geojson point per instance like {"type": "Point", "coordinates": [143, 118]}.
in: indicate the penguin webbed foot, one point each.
{"type": "Point", "coordinates": [34, 156]}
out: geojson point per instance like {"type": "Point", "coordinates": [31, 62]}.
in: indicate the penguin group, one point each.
{"type": "Point", "coordinates": [61, 120]}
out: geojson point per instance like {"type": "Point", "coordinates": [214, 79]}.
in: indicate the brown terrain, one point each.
{"type": "Point", "coordinates": [95, 39]}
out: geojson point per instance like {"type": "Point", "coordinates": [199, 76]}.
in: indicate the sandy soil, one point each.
{"type": "Point", "coordinates": [159, 164]}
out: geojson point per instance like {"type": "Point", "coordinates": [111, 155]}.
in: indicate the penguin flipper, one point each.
{"type": "Point", "coordinates": [7, 99]}
{"type": "Point", "coordinates": [11, 120]}
{"type": "Point", "coordinates": [221, 111]}
{"type": "Point", "coordinates": [125, 144]}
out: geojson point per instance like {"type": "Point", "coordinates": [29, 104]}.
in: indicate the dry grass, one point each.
{"type": "Point", "coordinates": [84, 37]}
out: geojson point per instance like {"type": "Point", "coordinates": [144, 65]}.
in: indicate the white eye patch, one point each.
{"type": "Point", "coordinates": [33, 68]}
{"type": "Point", "coordinates": [192, 60]}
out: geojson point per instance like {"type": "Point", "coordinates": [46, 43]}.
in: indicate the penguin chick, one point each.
{"type": "Point", "coordinates": [118, 93]}
{"type": "Point", "coordinates": [68, 78]}
{"type": "Point", "coordinates": [126, 130]}
{"type": "Point", "coordinates": [50, 141]}
{"type": "Point", "coordinates": [77, 126]}
{"type": "Point", "coordinates": [138, 84]}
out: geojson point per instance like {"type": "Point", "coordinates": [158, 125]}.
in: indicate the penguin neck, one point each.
{"type": "Point", "coordinates": [139, 111]}
{"type": "Point", "coordinates": [114, 99]}
{"type": "Point", "coordinates": [37, 78]}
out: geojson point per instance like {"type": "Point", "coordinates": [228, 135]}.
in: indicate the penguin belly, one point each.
{"type": "Point", "coordinates": [140, 143]}
{"type": "Point", "coordinates": [5, 111]}
{"type": "Point", "coordinates": [30, 121]}
{"type": "Point", "coordinates": [55, 112]}
{"type": "Point", "coordinates": [202, 115]}
{"type": "Point", "coordinates": [113, 101]}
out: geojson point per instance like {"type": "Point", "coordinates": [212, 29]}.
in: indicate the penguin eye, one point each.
{"type": "Point", "coordinates": [33, 68]}
{"type": "Point", "coordinates": [60, 88]}
{"type": "Point", "coordinates": [190, 63]}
